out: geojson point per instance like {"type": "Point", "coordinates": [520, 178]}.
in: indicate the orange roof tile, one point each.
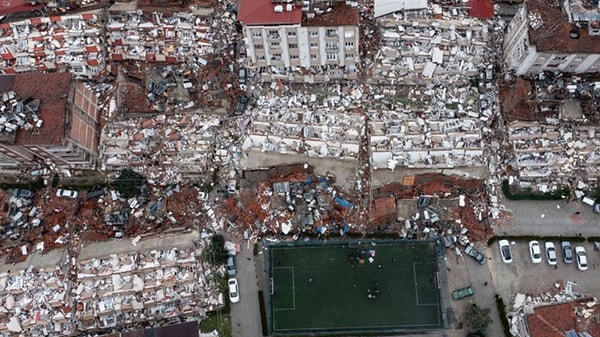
{"type": "Point", "coordinates": [262, 12]}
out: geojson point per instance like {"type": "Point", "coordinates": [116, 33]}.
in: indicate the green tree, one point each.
{"type": "Point", "coordinates": [478, 319]}
{"type": "Point", "coordinates": [129, 182]}
{"type": "Point", "coordinates": [215, 252]}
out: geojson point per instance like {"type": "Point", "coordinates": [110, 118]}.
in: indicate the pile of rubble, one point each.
{"type": "Point", "coordinates": [561, 141]}
{"type": "Point", "coordinates": [17, 113]}
{"type": "Point", "coordinates": [126, 289]}
{"type": "Point", "coordinates": [164, 148]}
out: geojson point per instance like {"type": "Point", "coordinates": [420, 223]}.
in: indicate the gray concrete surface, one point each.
{"type": "Point", "coordinates": [549, 218]}
{"type": "Point", "coordinates": [245, 315]}
{"type": "Point", "coordinates": [118, 246]}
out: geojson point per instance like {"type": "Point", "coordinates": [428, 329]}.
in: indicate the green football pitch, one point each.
{"type": "Point", "coordinates": [353, 286]}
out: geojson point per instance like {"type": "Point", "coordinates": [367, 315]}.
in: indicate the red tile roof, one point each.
{"type": "Point", "coordinates": [483, 9]}
{"type": "Point", "coordinates": [18, 6]}
{"type": "Point", "coordinates": [52, 90]}
{"type": "Point", "coordinates": [555, 320]}
{"type": "Point", "coordinates": [553, 35]}
{"type": "Point", "coordinates": [262, 12]}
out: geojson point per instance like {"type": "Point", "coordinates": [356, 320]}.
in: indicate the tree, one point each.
{"type": "Point", "coordinates": [215, 252]}
{"type": "Point", "coordinates": [129, 182]}
{"type": "Point", "coordinates": [478, 319]}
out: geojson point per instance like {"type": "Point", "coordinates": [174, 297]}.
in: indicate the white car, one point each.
{"type": "Point", "coordinates": [234, 292]}
{"type": "Point", "coordinates": [582, 263]}
{"type": "Point", "coordinates": [67, 193]}
{"type": "Point", "coordinates": [505, 252]}
{"type": "Point", "coordinates": [535, 252]}
{"type": "Point", "coordinates": [550, 253]}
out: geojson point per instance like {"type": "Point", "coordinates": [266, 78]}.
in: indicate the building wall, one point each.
{"type": "Point", "coordinates": [85, 127]}
{"type": "Point", "coordinates": [296, 46]}
{"type": "Point", "coordinates": [524, 58]}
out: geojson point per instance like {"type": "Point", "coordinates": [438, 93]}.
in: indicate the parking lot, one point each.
{"type": "Point", "coordinates": [526, 277]}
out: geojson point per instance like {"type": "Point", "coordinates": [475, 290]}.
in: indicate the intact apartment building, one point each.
{"type": "Point", "coordinates": [47, 118]}
{"type": "Point", "coordinates": [309, 35]}
{"type": "Point", "coordinates": [563, 38]}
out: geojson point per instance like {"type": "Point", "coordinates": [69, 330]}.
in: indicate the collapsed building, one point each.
{"type": "Point", "coordinates": [71, 42]}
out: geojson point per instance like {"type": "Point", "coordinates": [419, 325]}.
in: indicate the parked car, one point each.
{"type": "Point", "coordinates": [550, 253]}
{"type": "Point", "coordinates": [592, 202]}
{"type": "Point", "coordinates": [567, 251]}
{"type": "Point", "coordinates": [95, 194]}
{"type": "Point", "coordinates": [67, 193]}
{"type": "Point", "coordinates": [462, 293]}
{"type": "Point", "coordinates": [231, 265]}
{"type": "Point", "coordinates": [234, 292]}
{"type": "Point", "coordinates": [505, 251]}
{"type": "Point", "coordinates": [22, 193]}
{"type": "Point", "coordinates": [535, 251]}
{"type": "Point", "coordinates": [474, 253]}
{"type": "Point", "coordinates": [581, 256]}
{"type": "Point", "coordinates": [243, 75]}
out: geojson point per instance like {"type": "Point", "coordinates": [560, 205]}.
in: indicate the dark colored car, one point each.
{"type": "Point", "coordinates": [22, 193]}
{"type": "Point", "coordinates": [567, 251]}
{"type": "Point", "coordinates": [474, 253]}
{"type": "Point", "coordinates": [462, 293]}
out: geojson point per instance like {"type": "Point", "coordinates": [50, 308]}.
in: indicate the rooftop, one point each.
{"type": "Point", "coordinates": [340, 15]}
{"type": "Point", "coordinates": [552, 33]}
{"type": "Point", "coordinates": [17, 6]}
{"type": "Point", "coordinates": [263, 12]}
{"type": "Point", "coordinates": [52, 90]}
{"type": "Point", "coordinates": [555, 320]}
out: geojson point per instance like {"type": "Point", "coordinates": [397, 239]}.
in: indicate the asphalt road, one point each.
{"type": "Point", "coordinates": [245, 315]}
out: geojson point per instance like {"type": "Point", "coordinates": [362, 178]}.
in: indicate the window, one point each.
{"type": "Point", "coordinates": [559, 58]}
{"type": "Point", "coordinates": [349, 44]}
{"type": "Point", "coordinates": [260, 57]}
{"type": "Point", "coordinates": [314, 45]}
{"type": "Point", "coordinates": [349, 56]}
{"type": "Point", "coordinates": [331, 44]}
{"type": "Point", "coordinates": [332, 56]}
{"type": "Point", "coordinates": [276, 57]}
{"type": "Point", "coordinates": [273, 32]}
{"type": "Point", "coordinates": [294, 57]}
{"type": "Point", "coordinates": [314, 33]}
{"type": "Point", "coordinates": [349, 33]}
{"type": "Point", "coordinates": [291, 33]}
{"type": "Point", "coordinates": [258, 46]}
{"type": "Point", "coordinates": [331, 32]}
{"type": "Point", "coordinates": [293, 46]}
{"type": "Point", "coordinates": [313, 56]}
{"type": "Point", "coordinates": [256, 34]}
{"type": "Point", "coordinates": [537, 65]}
{"type": "Point", "coordinates": [274, 45]}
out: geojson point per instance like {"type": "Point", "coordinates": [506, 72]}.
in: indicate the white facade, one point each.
{"type": "Point", "coordinates": [524, 58]}
{"type": "Point", "coordinates": [298, 46]}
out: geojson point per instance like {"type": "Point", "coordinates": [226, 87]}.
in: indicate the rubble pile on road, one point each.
{"type": "Point", "coordinates": [440, 205]}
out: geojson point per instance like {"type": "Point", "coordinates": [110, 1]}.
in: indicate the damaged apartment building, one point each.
{"type": "Point", "coordinates": [554, 36]}
{"type": "Point", "coordinates": [150, 31]}
{"type": "Point", "coordinates": [69, 42]}
{"type": "Point", "coordinates": [48, 119]}
{"type": "Point", "coordinates": [307, 41]}
{"type": "Point", "coordinates": [553, 109]}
